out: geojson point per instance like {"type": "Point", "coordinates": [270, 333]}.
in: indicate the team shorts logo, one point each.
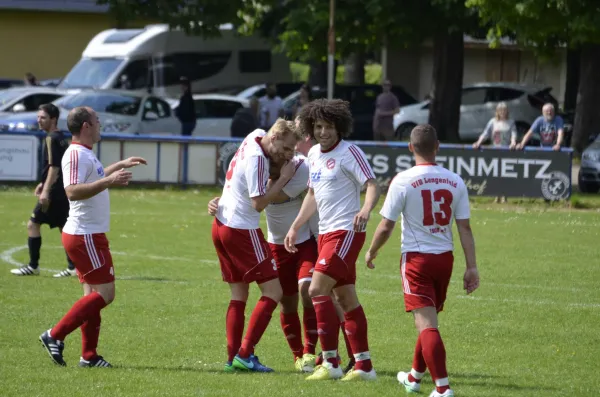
{"type": "Point", "coordinates": [226, 153]}
{"type": "Point", "coordinates": [556, 186]}
{"type": "Point", "coordinates": [330, 164]}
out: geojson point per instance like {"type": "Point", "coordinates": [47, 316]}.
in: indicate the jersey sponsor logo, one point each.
{"type": "Point", "coordinates": [556, 186]}
{"type": "Point", "coordinates": [330, 164]}
{"type": "Point", "coordinates": [100, 171]}
{"type": "Point", "coordinates": [315, 176]}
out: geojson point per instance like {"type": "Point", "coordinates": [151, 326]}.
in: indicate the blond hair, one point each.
{"type": "Point", "coordinates": [501, 106]}
{"type": "Point", "coordinates": [282, 128]}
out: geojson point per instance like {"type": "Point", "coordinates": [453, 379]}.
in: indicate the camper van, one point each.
{"type": "Point", "coordinates": [154, 58]}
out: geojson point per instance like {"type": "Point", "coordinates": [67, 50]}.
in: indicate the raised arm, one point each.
{"type": "Point", "coordinates": [262, 194]}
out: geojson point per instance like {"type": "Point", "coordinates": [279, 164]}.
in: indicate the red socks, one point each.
{"type": "Point", "coordinates": [346, 340]}
{"type": "Point", "coordinates": [328, 326]}
{"type": "Point", "coordinates": [261, 316]}
{"type": "Point", "coordinates": [234, 325]}
{"type": "Point", "coordinates": [90, 332]}
{"type": "Point", "coordinates": [434, 354]}
{"type": "Point", "coordinates": [311, 337]}
{"type": "Point", "coordinates": [88, 307]}
{"type": "Point", "coordinates": [356, 329]}
{"type": "Point", "coordinates": [290, 324]}
{"type": "Point", "coordinates": [418, 366]}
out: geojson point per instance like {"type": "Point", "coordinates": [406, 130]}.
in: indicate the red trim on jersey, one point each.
{"type": "Point", "coordinates": [364, 166]}
{"type": "Point", "coordinates": [81, 144]}
{"type": "Point", "coordinates": [261, 177]}
{"type": "Point", "coordinates": [74, 167]}
{"type": "Point", "coordinates": [298, 165]}
{"type": "Point", "coordinates": [331, 148]}
{"type": "Point", "coordinates": [425, 164]}
{"type": "Point", "coordinates": [258, 140]}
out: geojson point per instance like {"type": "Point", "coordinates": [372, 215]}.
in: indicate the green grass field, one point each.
{"type": "Point", "coordinates": [530, 330]}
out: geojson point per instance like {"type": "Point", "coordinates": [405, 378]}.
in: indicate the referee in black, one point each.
{"type": "Point", "coordinates": [53, 206]}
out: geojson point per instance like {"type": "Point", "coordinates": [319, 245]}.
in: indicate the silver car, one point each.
{"type": "Point", "coordinates": [478, 106]}
{"type": "Point", "coordinates": [589, 173]}
{"type": "Point", "coordinates": [26, 99]}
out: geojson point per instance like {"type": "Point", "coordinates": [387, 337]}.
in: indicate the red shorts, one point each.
{"type": "Point", "coordinates": [243, 254]}
{"type": "Point", "coordinates": [425, 279]}
{"type": "Point", "coordinates": [91, 256]}
{"type": "Point", "coordinates": [338, 252]}
{"type": "Point", "coordinates": [295, 268]}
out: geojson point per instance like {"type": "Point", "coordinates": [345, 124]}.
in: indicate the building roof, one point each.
{"type": "Point", "coordinates": [85, 6]}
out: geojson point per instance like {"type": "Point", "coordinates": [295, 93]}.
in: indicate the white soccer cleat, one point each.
{"type": "Point", "coordinates": [358, 374]}
{"type": "Point", "coordinates": [326, 371]}
{"type": "Point", "coordinates": [25, 271]}
{"type": "Point", "coordinates": [411, 387]}
{"type": "Point", "coordinates": [447, 393]}
{"type": "Point", "coordinates": [65, 273]}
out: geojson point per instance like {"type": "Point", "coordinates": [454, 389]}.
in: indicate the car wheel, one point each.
{"type": "Point", "coordinates": [587, 187]}
{"type": "Point", "coordinates": [403, 131]}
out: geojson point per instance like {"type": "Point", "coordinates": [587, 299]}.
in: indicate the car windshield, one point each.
{"type": "Point", "coordinates": [7, 96]}
{"type": "Point", "coordinates": [106, 103]}
{"type": "Point", "coordinates": [91, 73]}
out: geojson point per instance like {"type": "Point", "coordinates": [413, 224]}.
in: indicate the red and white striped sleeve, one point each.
{"type": "Point", "coordinates": [74, 167]}
{"type": "Point", "coordinates": [257, 175]}
{"type": "Point", "coordinates": [357, 164]}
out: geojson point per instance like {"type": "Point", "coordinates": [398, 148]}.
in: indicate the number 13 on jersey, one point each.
{"type": "Point", "coordinates": [443, 199]}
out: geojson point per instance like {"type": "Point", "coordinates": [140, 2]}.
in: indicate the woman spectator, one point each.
{"type": "Point", "coordinates": [502, 131]}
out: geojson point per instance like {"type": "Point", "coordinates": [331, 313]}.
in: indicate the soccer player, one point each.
{"type": "Point", "coordinates": [52, 207]}
{"type": "Point", "coordinates": [428, 197]}
{"type": "Point", "coordinates": [244, 255]}
{"type": "Point", "coordinates": [338, 171]}
{"type": "Point", "coordinates": [86, 183]}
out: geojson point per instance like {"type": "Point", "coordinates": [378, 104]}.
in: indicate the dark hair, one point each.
{"type": "Point", "coordinates": [51, 110]}
{"type": "Point", "coordinates": [334, 111]}
{"type": "Point", "coordinates": [76, 118]}
{"type": "Point", "coordinates": [423, 139]}
{"type": "Point", "coordinates": [306, 88]}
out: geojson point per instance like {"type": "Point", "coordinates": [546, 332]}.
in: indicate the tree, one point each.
{"type": "Point", "coordinates": [546, 24]}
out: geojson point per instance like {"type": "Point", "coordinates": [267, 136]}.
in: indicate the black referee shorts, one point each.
{"type": "Point", "coordinates": [55, 216]}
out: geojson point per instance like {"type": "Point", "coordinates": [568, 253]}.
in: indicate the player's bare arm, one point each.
{"type": "Point", "coordinates": [471, 277]}
{"type": "Point", "coordinates": [371, 199]}
{"type": "Point", "coordinates": [51, 179]}
{"type": "Point", "coordinates": [308, 209]}
{"type": "Point", "coordinates": [287, 171]}
{"type": "Point", "coordinates": [281, 197]}
{"type": "Point", "coordinates": [127, 163]}
{"type": "Point", "coordinates": [84, 191]}
{"type": "Point", "coordinates": [559, 140]}
{"type": "Point", "coordinates": [382, 234]}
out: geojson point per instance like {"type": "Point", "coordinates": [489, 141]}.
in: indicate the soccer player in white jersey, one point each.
{"type": "Point", "coordinates": [427, 197]}
{"type": "Point", "coordinates": [83, 236]}
{"type": "Point", "coordinates": [338, 171]}
{"type": "Point", "coordinates": [243, 253]}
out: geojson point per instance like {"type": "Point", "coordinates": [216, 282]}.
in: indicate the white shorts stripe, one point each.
{"type": "Point", "coordinates": [91, 250]}
{"type": "Point", "coordinates": [405, 284]}
{"type": "Point", "coordinates": [258, 249]}
{"type": "Point", "coordinates": [346, 245]}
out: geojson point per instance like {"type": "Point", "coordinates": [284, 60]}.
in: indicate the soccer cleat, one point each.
{"type": "Point", "coordinates": [447, 393]}
{"type": "Point", "coordinates": [350, 365]}
{"type": "Point", "coordinates": [98, 362]}
{"type": "Point", "coordinates": [25, 271]}
{"type": "Point", "coordinates": [319, 359]}
{"type": "Point", "coordinates": [359, 374]}
{"type": "Point", "coordinates": [53, 347]}
{"type": "Point", "coordinates": [306, 363]}
{"type": "Point", "coordinates": [65, 273]}
{"type": "Point", "coordinates": [326, 371]}
{"type": "Point", "coordinates": [411, 387]}
{"type": "Point", "coordinates": [250, 364]}
{"type": "Point", "coordinates": [229, 367]}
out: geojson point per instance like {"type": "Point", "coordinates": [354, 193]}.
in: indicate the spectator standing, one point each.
{"type": "Point", "coordinates": [271, 107]}
{"type": "Point", "coordinates": [386, 106]}
{"type": "Point", "coordinates": [245, 120]}
{"type": "Point", "coordinates": [549, 126]}
{"type": "Point", "coordinates": [186, 111]}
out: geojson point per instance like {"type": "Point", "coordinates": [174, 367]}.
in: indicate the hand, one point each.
{"type": "Point", "coordinates": [360, 221]}
{"type": "Point", "coordinates": [44, 201]}
{"type": "Point", "coordinates": [556, 148]}
{"type": "Point", "coordinates": [520, 146]}
{"type": "Point", "coordinates": [38, 190]}
{"type": "Point", "coordinates": [133, 161]}
{"type": "Point", "coordinates": [120, 178]}
{"type": "Point", "coordinates": [213, 206]}
{"type": "Point", "coordinates": [288, 170]}
{"type": "Point", "coordinates": [369, 257]}
{"type": "Point", "coordinates": [476, 145]}
{"type": "Point", "coordinates": [290, 241]}
{"type": "Point", "coordinates": [512, 146]}
{"type": "Point", "coordinates": [471, 280]}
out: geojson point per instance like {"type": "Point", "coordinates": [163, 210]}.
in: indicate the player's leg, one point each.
{"type": "Point", "coordinates": [34, 243]}
{"type": "Point", "coordinates": [340, 314]}
{"type": "Point", "coordinates": [90, 329]}
{"type": "Point", "coordinates": [235, 321]}
{"type": "Point", "coordinates": [70, 270]}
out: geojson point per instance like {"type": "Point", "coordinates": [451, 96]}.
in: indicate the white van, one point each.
{"type": "Point", "coordinates": [154, 58]}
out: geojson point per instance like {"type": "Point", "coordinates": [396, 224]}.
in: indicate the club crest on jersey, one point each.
{"type": "Point", "coordinates": [330, 164]}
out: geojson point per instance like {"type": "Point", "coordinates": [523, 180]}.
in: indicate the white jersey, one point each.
{"type": "Point", "coordinates": [89, 216]}
{"type": "Point", "coordinates": [281, 216]}
{"type": "Point", "coordinates": [428, 197]}
{"type": "Point", "coordinates": [246, 178]}
{"type": "Point", "coordinates": [337, 176]}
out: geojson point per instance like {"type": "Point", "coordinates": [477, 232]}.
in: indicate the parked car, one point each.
{"type": "Point", "coordinates": [260, 90]}
{"type": "Point", "coordinates": [124, 112]}
{"type": "Point", "coordinates": [478, 106]}
{"type": "Point", "coordinates": [7, 83]}
{"type": "Point", "coordinates": [26, 99]}
{"type": "Point", "coordinates": [214, 113]}
{"type": "Point", "coordinates": [362, 104]}
{"type": "Point", "coordinates": [50, 82]}
{"type": "Point", "coordinates": [589, 171]}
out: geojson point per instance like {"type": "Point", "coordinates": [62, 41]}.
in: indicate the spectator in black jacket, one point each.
{"type": "Point", "coordinates": [186, 112]}
{"type": "Point", "coordinates": [245, 120]}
